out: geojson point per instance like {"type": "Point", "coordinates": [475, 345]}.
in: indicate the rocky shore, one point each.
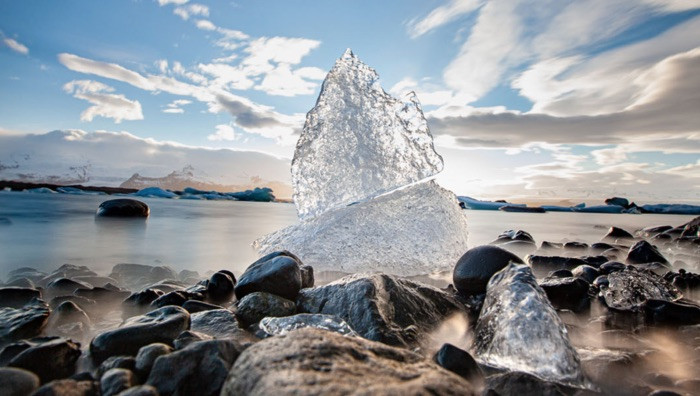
{"type": "Point", "coordinates": [615, 317]}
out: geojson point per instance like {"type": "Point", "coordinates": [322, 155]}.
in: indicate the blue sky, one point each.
{"type": "Point", "coordinates": [542, 99]}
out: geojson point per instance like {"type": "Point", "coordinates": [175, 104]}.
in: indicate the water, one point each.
{"type": "Point", "coordinates": [48, 230]}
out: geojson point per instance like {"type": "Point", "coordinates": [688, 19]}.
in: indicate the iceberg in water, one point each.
{"type": "Point", "coordinates": [519, 330]}
{"type": "Point", "coordinates": [155, 192]}
{"type": "Point", "coordinates": [476, 204]}
{"type": "Point", "coordinates": [359, 175]}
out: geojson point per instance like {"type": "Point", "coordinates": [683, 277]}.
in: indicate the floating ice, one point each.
{"type": "Point", "coordinates": [282, 326]}
{"type": "Point", "coordinates": [40, 190]}
{"type": "Point", "coordinates": [519, 330]}
{"type": "Point", "coordinates": [475, 204]}
{"type": "Point", "coordinates": [672, 209]}
{"type": "Point", "coordinates": [359, 142]}
{"type": "Point", "coordinates": [629, 288]}
{"type": "Point", "coordinates": [412, 231]}
{"type": "Point", "coordinates": [77, 191]}
{"type": "Point", "coordinates": [155, 192]}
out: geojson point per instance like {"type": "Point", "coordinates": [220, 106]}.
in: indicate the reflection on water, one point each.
{"type": "Point", "coordinates": [47, 230]}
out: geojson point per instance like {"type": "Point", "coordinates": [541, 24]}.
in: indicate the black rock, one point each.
{"type": "Point", "coordinates": [561, 273]}
{"type": "Point", "coordinates": [199, 369]}
{"type": "Point", "coordinates": [162, 325]}
{"type": "Point", "coordinates": [644, 252]}
{"type": "Point", "coordinates": [307, 276]}
{"type": "Point", "coordinates": [611, 266]}
{"type": "Point", "coordinates": [600, 247]}
{"type": "Point", "coordinates": [50, 358]}
{"type": "Point", "coordinates": [103, 295]}
{"type": "Point", "coordinates": [25, 322]}
{"type": "Point", "coordinates": [576, 246]}
{"type": "Point", "coordinates": [69, 387]}
{"type": "Point", "coordinates": [382, 307]}
{"type": "Point", "coordinates": [122, 362]}
{"type": "Point", "coordinates": [277, 273]}
{"type": "Point", "coordinates": [615, 233]}
{"type": "Point", "coordinates": [17, 382]}
{"type": "Point", "coordinates": [123, 207]}
{"type": "Point", "coordinates": [220, 287]}
{"type": "Point", "coordinates": [601, 281]}
{"type": "Point", "coordinates": [619, 201]}
{"type": "Point", "coordinates": [24, 283]}
{"type": "Point", "coordinates": [147, 356]}
{"type": "Point", "coordinates": [663, 392]}
{"type": "Point", "coordinates": [519, 383]}
{"type": "Point", "coordinates": [477, 265]}
{"type": "Point", "coordinates": [542, 265]}
{"type": "Point", "coordinates": [675, 313]}
{"type": "Point", "coordinates": [139, 302]}
{"type": "Point", "coordinates": [652, 231]}
{"type": "Point", "coordinates": [25, 272]}
{"type": "Point", "coordinates": [546, 245]}
{"type": "Point", "coordinates": [115, 381]}
{"type": "Point", "coordinates": [68, 312]}
{"type": "Point", "coordinates": [140, 390]}
{"type": "Point", "coordinates": [255, 306]}
{"type": "Point", "coordinates": [194, 306]}
{"type": "Point", "coordinates": [567, 293]}
{"type": "Point", "coordinates": [64, 287]}
{"type": "Point", "coordinates": [513, 235]}
{"type": "Point", "coordinates": [683, 280]}
{"type": "Point", "coordinates": [586, 272]}
{"type": "Point", "coordinates": [17, 297]}
{"type": "Point", "coordinates": [187, 337]}
{"type": "Point", "coordinates": [176, 298]}
{"type": "Point", "coordinates": [218, 323]}
{"type": "Point", "coordinates": [459, 362]}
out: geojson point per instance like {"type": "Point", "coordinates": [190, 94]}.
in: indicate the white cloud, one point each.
{"type": "Point", "coordinates": [227, 76]}
{"type": "Point", "coordinates": [177, 2]}
{"type": "Point", "coordinates": [282, 81]}
{"type": "Point", "coordinates": [442, 15]}
{"type": "Point", "coordinates": [175, 107]}
{"type": "Point", "coordinates": [205, 24]}
{"type": "Point", "coordinates": [105, 104]}
{"type": "Point", "coordinates": [16, 46]}
{"type": "Point", "coordinates": [223, 132]}
{"type": "Point", "coordinates": [191, 10]}
{"type": "Point", "coordinates": [609, 156]}
{"type": "Point", "coordinates": [289, 50]}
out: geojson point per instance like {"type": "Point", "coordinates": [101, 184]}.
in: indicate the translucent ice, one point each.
{"type": "Point", "coordinates": [629, 288]}
{"type": "Point", "coordinates": [519, 330]}
{"type": "Point", "coordinates": [359, 142]}
{"type": "Point", "coordinates": [410, 231]}
{"type": "Point", "coordinates": [283, 325]}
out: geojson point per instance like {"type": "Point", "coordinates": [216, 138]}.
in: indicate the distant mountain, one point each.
{"type": "Point", "coordinates": [190, 177]}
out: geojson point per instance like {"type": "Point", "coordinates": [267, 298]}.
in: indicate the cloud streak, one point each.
{"type": "Point", "coordinates": [104, 103]}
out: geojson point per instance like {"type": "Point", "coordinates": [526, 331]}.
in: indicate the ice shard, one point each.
{"type": "Point", "coordinates": [359, 142]}
{"type": "Point", "coordinates": [519, 330]}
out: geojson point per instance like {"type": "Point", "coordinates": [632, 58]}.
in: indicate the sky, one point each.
{"type": "Point", "coordinates": [526, 99]}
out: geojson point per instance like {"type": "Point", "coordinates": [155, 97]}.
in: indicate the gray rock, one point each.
{"type": "Point", "coordinates": [199, 369]}
{"type": "Point", "coordinates": [122, 362]}
{"type": "Point", "coordinates": [218, 323]}
{"type": "Point", "coordinates": [188, 337]}
{"type": "Point", "coordinates": [567, 293]}
{"type": "Point", "coordinates": [161, 325]}
{"type": "Point", "coordinates": [69, 387]}
{"type": "Point", "coordinates": [115, 381]}
{"type": "Point", "coordinates": [277, 273]}
{"type": "Point", "coordinates": [477, 265]}
{"type": "Point", "coordinates": [147, 356]}
{"type": "Point", "coordinates": [64, 287]}
{"type": "Point", "coordinates": [644, 252]}
{"type": "Point", "coordinates": [255, 306]}
{"type": "Point", "coordinates": [307, 276]}
{"type": "Point", "coordinates": [312, 361]}
{"type": "Point", "coordinates": [17, 382]}
{"type": "Point", "coordinates": [50, 358]}
{"type": "Point", "coordinates": [381, 307]}
{"type": "Point", "coordinates": [24, 283]}
{"type": "Point", "coordinates": [194, 306]}
{"type": "Point", "coordinates": [26, 322]}
{"type": "Point", "coordinates": [17, 297]}
{"type": "Point", "coordinates": [140, 390]}
{"type": "Point", "coordinates": [68, 312]}
{"type": "Point", "coordinates": [618, 235]}
{"type": "Point", "coordinates": [123, 207]}
{"type": "Point", "coordinates": [220, 287]}
{"type": "Point", "coordinates": [25, 272]}
{"type": "Point", "coordinates": [519, 383]}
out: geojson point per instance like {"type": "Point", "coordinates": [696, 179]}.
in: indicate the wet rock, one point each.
{"type": "Point", "coordinates": [676, 313]}
{"type": "Point", "coordinates": [562, 273]}
{"type": "Point", "coordinates": [24, 283]}
{"type": "Point", "coordinates": [103, 295]}
{"type": "Point", "coordinates": [649, 232]}
{"type": "Point", "coordinates": [586, 272]}
{"type": "Point", "coordinates": [307, 276]}
{"type": "Point", "coordinates": [576, 246]}
{"type": "Point", "coordinates": [140, 390]}
{"type": "Point", "coordinates": [683, 279]}
{"type": "Point", "coordinates": [513, 235]}
{"type": "Point", "coordinates": [601, 281]}
{"type": "Point", "coordinates": [147, 356]}
{"type": "Point", "coordinates": [258, 305]}
{"type": "Point", "coordinates": [25, 322]}
{"type": "Point", "coordinates": [663, 392]}
{"type": "Point", "coordinates": [281, 326]}
{"type": "Point", "coordinates": [83, 303]}
{"type": "Point", "coordinates": [188, 337]}
{"type": "Point", "coordinates": [115, 381]}
{"type": "Point", "coordinates": [120, 362]}
{"type": "Point", "coordinates": [644, 252]}
{"type": "Point", "coordinates": [459, 362]}
{"type": "Point", "coordinates": [381, 307]}
{"type": "Point", "coordinates": [220, 287]}
{"type": "Point", "coordinates": [123, 207]}
{"type": "Point", "coordinates": [194, 306]}
{"type": "Point", "coordinates": [517, 323]}
{"type": "Point", "coordinates": [542, 265]}
{"type": "Point", "coordinates": [218, 323]}
{"type": "Point", "coordinates": [567, 293]}
{"type": "Point", "coordinates": [277, 273]}
{"type": "Point", "coordinates": [313, 361]}
{"type": "Point", "coordinates": [162, 325]}
{"type": "Point", "coordinates": [17, 297]}
{"type": "Point", "coordinates": [68, 312]}
{"type": "Point", "coordinates": [600, 247]}
{"type": "Point", "coordinates": [612, 266]}
{"type": "Point", "coordinates": [546, 245]}
{"type": "Point", "coordinates": [629, 288]}
{"type": "Point", "coordinates": [176, 298]}
{"type": "Point", "coordinates": [657, 268]}
{"type": "Point", "coordinates": [198, 369]}
{"type": "Point", "coordinates": [619, 201]}
{"type": "Point", "coordinates": [616, 234]}
{"type": "Point", "coordinates": [69, 387]}
{"type": "Point", "coordinates": [140, 302]}
{"type": "Point", "coordinates": [17, 382]}
{"type": "Point", "coordinates": [25, 272]}
{"type": "Point", "coordinates": [50, 358]}
{"type": "Point", "coordinates": [519, 383]}
{"type": "Point", "coordinates": [474, 269]}
{"type": "Point", "coordinates": [64, 287]}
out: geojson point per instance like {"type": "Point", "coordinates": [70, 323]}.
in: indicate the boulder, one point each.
{"type": "Point", "coordinates": [629, 288]}
{"type": "Point", "coordinates": [123, 207]}
{"type": "Point", "coordinates": [17, 382]}
{"type": "Point", "coordinates": [672, 313]}
{"type": "Point", "coordinates": [161, 325]}
{"type": "Point", "coordinates": [218, 323]}
{"type": "Point", "coordinates": [312, 361]}
{"type": "Point", "coordinates": [477, 265]}
{"type": "Point", "coordinates": [50, 358]}
{"type": "Point", "coordinates": [140, 390]}
{"type": "Point", "coordinates": [255, 306]}
{"type": "Point", "coordinates": [198, 369]}
{"type": "Point", "coordinates": [461, 363]}
{"type": "Point", "coordinates": [17, 297]}
{"type": "Point", "coordinates": [644, 252]}
{"type": "Point", "coordinates": [116, 380]}
{"type": "Point", "coordinates": [147, 356]}
{"type": "Point", "coordinates": [194, 306]}
{"type": "Point", "coordinates": [220, 287]}
{"type": "Point", "coordinates": [25, 322]}
{"type": "Point", "coordinates": [69, 387]}
{"type": "Point", "coordinates": [116, 362]}
{"type": "Point", "coordinates": [277, 273]}
{"type": "Point", "coordinates": [567, 293]}
{"type": "Point", "coordinates": [382, 307]}
{"type": "Point", "coordinates": [617, 234]}
{"type": "Point", "coordinates": [519, 383]}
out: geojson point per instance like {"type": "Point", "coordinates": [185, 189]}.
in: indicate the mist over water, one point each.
{"type": "Point", "coordinates": [45, 231]}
